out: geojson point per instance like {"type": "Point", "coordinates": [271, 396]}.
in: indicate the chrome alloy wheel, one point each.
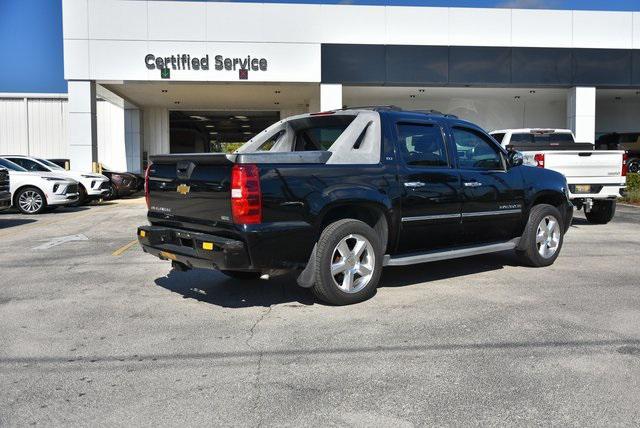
{"type": "Point", "coordinates": [352, 263]}
{"type": "Point", "coordinates": [30, 201]}
{"type": "Point", "coordinates": [548, 236]}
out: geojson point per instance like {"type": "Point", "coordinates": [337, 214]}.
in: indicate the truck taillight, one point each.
{"type": "Point", "coordinates": [539, 158]}
{"type": "Point", "coordinates": [625, 164]}
{"type": "Point", "coordinates": [246, 196]}
{"type": "Point", "coordinates": [146, 186]}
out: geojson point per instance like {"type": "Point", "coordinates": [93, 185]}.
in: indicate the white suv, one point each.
{"type": "Point", "coordinates": [33, 192]}
{"type": "Point", "coordinates": [92, 186]}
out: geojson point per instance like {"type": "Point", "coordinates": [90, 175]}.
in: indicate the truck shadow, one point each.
{"type": "Point", "coordinates": [217, 289]}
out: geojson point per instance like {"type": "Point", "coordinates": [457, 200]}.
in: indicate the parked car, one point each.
{"type": "Point", "coordinates": [35, 192]}
{"type": "Point", "coordinates": [595, 178]}
{"type": "Point", "coordinates": [120, 183]}
{"type": "Point", "coordinates": [340, 194]}
{"type": "Point", "coordinates": [628, 141]}
{"type": "Point", "coordinates": [5, 192]}
{"type": "Point", "coordinates": [62, 163]}
{"type": "Point", "coordinates": [91, 186]}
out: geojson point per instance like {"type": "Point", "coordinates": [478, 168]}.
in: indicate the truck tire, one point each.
{"type": "Point", "coordinates": [348, 263]}
{"type": "Point", "coordinates": [242, 275]}
{"type": "Point", "coordinates": [30, 200]}
{"type": "Point", "coordinates": [634, 165]}
{"type": "Point", "coordinates": [602, 212]}
{"type": "Point", "coordinates": [542, 238]}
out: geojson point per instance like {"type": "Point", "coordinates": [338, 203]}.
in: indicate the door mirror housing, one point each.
{"type": "Point", "coordinates": [515, 158]}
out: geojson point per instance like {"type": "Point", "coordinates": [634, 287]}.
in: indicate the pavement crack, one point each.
{"type": "Point", "coordinates": [256, 382]}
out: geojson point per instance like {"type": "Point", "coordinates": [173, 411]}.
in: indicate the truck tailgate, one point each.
{"type": "Point", "coordinates": [193, 190]}
{"type": "Point", "coordinates": [589, 163]}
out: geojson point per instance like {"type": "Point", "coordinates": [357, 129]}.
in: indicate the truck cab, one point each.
{"type": "Point", "coordinates": [338, 195]}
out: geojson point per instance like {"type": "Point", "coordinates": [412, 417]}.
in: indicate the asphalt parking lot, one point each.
{"type": "Point", "coordinates": [94, 331]}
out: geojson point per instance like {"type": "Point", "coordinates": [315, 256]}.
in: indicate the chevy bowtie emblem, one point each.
{"type": "Point", "coordinates": [183, 189]}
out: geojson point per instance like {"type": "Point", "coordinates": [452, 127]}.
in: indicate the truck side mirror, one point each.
{"type": "Point", "coordinates": [515, 158]}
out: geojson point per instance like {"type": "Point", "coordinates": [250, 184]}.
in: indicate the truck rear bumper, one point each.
{"type": "Point", "coordinates": [193, 249]}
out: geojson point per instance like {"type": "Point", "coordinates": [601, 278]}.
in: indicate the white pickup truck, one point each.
{"type": "Point", "coordinates": [595, 178]}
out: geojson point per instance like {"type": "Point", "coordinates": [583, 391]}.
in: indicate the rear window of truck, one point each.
{"type": "Point", "coordinates": [532, 138]}
{"type": "Point", "coordinates": [318, 132]}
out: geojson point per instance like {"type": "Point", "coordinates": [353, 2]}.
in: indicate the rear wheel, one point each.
{"type": "Point", "coordinates": [241, 275]}
{"type": "Point", "coordinates": [30, 200]}
{"type": "Point", "coordinates": [602, 212]}
{"type": "Point", "coordinates": [348, 263]}
{"type": "Point", "coordinates": [634, 165]}
{"type": "Point", "coordinates": [542, 237]}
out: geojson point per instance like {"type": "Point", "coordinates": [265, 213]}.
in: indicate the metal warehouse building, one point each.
{"type": "Point", "coordinates": [149, 77]}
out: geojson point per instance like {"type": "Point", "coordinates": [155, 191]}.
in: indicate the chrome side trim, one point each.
{"type": "Point", "coordinates": [484, 213]}
{"type": "Point", "coordinates": [431, 217]}
{"type": "Point", "coordinates": [433, 256]}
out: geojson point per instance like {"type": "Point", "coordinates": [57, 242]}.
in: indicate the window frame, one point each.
{"type": "Point", "coordinates": [488, 139]}
{"type": "Point", "coordinates": [445, 143]}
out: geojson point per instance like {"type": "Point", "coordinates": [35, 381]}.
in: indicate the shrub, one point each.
{"type": "Point", "coordinates": [632, 192]}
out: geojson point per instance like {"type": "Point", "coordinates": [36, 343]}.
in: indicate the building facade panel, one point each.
{"type": "Point", "coordinates": [542, 28]}
{"type": "Point", "coordinates": [602, 67]}
{"type": "Point", "coordinates": [479, 65]}
{"type": "Point", "coordinates": [613, 30]}
{"type": "Point", "coordinates": [417, 26]}
{"type": "Point", "coordinates": [177, 20]}
{"type": "Point", "coordinates": [417, 65]}
{"type": "Point", "coordinates": [118, 19]}
{"type": "Point", "coordinates": [541, 66]}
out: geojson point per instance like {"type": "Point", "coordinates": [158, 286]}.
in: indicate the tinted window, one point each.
{"type": "Point", "coordinates": [319, 132]}
{"type": "Point", "coordinates": [28, 164]}
{"type": "Point", "coordinates": [268, 144]}
{"type": "Point", "coordinates": [11, 165]}
{"type": "Point", "coordinates": [475, 151]}
{"type": "Point", "coordinates": [542, 138]}
{"type": "Point", "coordinates": [422, 145]}
{"type": "Point", "coordinates": [498, 137]}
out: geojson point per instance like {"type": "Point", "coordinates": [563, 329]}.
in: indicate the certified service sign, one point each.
{"type": "Point", "coordinates": [186, 62]}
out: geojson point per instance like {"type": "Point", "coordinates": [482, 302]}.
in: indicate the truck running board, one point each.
{"type": "Point", "coordinates": [434, 256]}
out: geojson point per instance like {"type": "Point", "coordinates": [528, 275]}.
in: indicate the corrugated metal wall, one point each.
{"type": "Point", "coordinates": [14, 134]}
{"type": "Point", "coordinates": [47, 128]}
{"type": "Point", "coordinates": [38, 127]}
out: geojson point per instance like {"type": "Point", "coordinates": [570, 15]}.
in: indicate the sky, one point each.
{"type": "Point", "coordinates": [31, 33]}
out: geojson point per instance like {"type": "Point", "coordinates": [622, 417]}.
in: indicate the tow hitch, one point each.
{"type": "Point", "coordinates": [588, 205]}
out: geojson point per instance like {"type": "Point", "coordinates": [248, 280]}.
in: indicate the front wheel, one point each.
{"type": "Point", "coordinates": [542, 238]}
{"type": "Point", "coordinates": [602, 212]}
{"type": "Point", "coordinates": [348, 263]}
{"type": "Point", "coordinates": [113, 193]}
{"type": "Point", "coordinates": [30, 200]}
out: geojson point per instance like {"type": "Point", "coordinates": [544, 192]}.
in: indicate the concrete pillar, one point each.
{"type": "Point", "coordinates": [133, 139]}
{"type": "Point", "coordinates": [83, 134]}
{"type": "Point", "coordinates": [581, 113]}
{"type": "Point", "coordinates": [330, 96]}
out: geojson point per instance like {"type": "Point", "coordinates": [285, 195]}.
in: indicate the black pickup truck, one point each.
{"type": "Point", "coordinates": [338, 195]}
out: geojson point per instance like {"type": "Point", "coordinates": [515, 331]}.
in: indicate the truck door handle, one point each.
{"type": "Point", "coordinates": [472, 184]}
{"type": "Point", "coordinates": [414, 184]}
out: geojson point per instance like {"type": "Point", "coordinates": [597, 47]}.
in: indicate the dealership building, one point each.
{"type": "Point", "coordinates": [149, 77]}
